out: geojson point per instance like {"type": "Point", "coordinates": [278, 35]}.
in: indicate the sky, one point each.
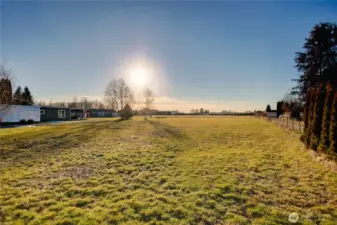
{"type": "Point", "coordinates": [220, 55]}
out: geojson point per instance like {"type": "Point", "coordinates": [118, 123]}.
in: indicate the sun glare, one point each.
{"type": "Point", "coordinates": [140, 76]}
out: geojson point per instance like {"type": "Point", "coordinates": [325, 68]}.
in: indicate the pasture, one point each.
{"type": "Point", "coordinates": [177, 170]}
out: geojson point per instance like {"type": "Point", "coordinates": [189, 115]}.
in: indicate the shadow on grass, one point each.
{"type": "Point", "coordinates": [164, 130]}
{"type": "Point", "coordinates": [120, 120]}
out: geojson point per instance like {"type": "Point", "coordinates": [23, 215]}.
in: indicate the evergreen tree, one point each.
{"type": "Point", "coordinates": [317, 63]}
{"type": "Point", "coordinates": [333, 125]}
{"type": "Point", "coordinates": [308, 130]}
{"type": "Point", "coordinates": [279, 110]}
{"type": "Point", "coordinates": [324, 140]}
{"type": "Point", "coordinates": [306, 110]}
{"type": "Point", "coordinates": [17, 97]}
{"type": "Point", "coordinates": [268, 108]}
{"type": "Point", "coordinates": [317, 118]}
{"type": "Point", "coordinates": [126, 113]}
{"type": "Point", "coordinates": [27, 98]}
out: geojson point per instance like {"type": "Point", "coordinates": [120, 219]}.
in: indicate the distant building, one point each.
{"type": "Point", "coordinates": [164, 113]}
{"type": "Point", "coordinates": [77, 114]}
{"type": "Point", "coordinates": [272, 114]}
{"type": "Point", "coordinates": [99, 113]}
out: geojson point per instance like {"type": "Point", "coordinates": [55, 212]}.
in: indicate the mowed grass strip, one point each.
{"type": "Point", "coordinates": [231, 170]}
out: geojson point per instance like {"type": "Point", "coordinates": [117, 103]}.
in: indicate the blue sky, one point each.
{"type": "Point", "coordinates": [217, 55]}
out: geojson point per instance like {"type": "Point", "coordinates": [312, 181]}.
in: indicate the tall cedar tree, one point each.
{"type": "Point", "coordinates": [268, 108]}
{"type": "Point", "coordinates": [317, 118]}
{"type": "Point", "coordinates": [279, 108]}
{"type": "Point", "coordinates": [17, 97]}
{"type": "Point", "coordinates": [27, 98]}
{"type": "Point", "coordinates": [325, 142]}
{"type": "Point", "coordinates": [306, 110]}
{"type": "Point", "coordinates": [333, 125]}
{"type": "Point", "coordinates": [308, 130]}
{"type": "Point", "coordinates": [317, 62]}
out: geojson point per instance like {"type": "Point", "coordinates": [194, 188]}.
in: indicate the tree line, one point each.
{"type": "Point", "coordinates": [201, 111]}
{"type": "Point", "coordinates": [20, 97]}
{"type": "Point", "coordinates": [317, 87]}
{"type": "Point", "coordinates": [78, 103]}
{"type": "Point", "coordinates": [117, 96]}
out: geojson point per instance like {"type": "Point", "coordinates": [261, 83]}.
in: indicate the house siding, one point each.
{"type": "Point", "coordinates": [94, 113]}
{"type": "Point", "coordinates": [15, 113]}
{"type": "Point", "coordinates": [51, 114]}
{"type": "Point", "coordinates": [102, 114]}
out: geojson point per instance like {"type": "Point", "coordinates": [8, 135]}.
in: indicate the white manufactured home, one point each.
{"type": "Point", "coordinates": [272, 114]}
{"type": "Point", "coordinates": [16, 113]}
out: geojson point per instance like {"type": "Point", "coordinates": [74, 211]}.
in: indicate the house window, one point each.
{"type": "Point", "coordinates": [42, 112]}
{"type": "Point", "coordinates": [62, 114]}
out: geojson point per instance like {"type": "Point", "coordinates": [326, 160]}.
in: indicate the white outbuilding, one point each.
{"type": "Point", "coordinates": [16, 113]}
{"type": "Point", "coordinates": [272, 114]}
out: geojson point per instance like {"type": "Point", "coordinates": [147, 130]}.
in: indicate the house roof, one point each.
{"type": "Point", "coordinates": [74, 109]}
{"type": "Point", "coordinates": [53, 107]}
{"type": "Point", "coordinates": [100, 110]}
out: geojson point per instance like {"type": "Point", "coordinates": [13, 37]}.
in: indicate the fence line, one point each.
{"type": "Point", "coordinates": [289, 123]}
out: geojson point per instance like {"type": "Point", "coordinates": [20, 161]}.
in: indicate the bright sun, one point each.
{"type": "Point", "coordinates": [140, 76]}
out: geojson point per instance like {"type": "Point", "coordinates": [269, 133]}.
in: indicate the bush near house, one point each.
{"type": "Point", "coordinates": [126, 113]}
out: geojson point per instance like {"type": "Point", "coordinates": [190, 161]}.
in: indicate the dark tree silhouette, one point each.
{"type": "Point", "coordinates": [317, 118]}
{"type": "Point", "coordinates": [325, 142]}
{"type": "Point", "coordinates": [333, 125]}
{"type": "Point", "coordinates": [308, 130]}
{"type": "Point", "coordinates": [279, 110]}
{"type": "Point", "coordinates": [268, 108]}
{"type": "Point", "coordinates": [307, 110]}
{"type": "Point", "coordinates": [318, 62]}
{"type": "Point", "coordinates": [17, 97]}
{"type": "Point", "coordinates": [27, 98]}
{"type": "Point", "coordinates": [126, 113]}
{"type": "Point", "coordinates": [5, 87]}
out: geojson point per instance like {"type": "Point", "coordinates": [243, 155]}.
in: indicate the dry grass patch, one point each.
{"type": "Point", "coordinates": [173, 171]}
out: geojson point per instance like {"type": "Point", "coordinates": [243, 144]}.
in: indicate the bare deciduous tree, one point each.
{"type": "Point", "coordinates": [118, 94]}
{"type": "Point", "coordinates": [148, 95]}
{"type": "Point", "coordinates": [6, 78]}
{"type": "Point", "coordinates": [148, 98]}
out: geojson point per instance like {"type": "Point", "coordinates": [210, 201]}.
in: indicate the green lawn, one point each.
{"type": "Point", "coordinates": [230, 170]}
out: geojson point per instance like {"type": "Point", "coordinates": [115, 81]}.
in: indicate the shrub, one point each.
{"type": "Point", "coordinates": [30, 121]}
{"type": "Point", "coordinates": [23, 121]}
{"type": "Point", "coordinates": [126, 113]}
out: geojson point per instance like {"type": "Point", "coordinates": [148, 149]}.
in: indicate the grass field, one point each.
{"type": "Point", "coordinates": [162, 171]}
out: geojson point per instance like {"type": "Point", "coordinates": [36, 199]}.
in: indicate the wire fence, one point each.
{"type": "Point", "coordinates": [289, 123]}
